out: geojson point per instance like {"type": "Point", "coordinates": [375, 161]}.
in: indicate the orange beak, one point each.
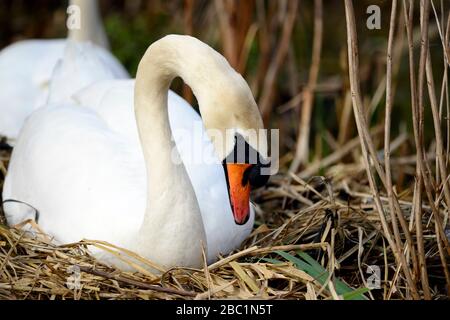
{"type": "Point", "coordinates": [239, 191]}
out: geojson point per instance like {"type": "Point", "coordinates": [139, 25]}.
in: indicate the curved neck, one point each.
{"type": "Point", "coordinates": [91, 27]}
{"type": "Point", "coordinates": [173, 218]}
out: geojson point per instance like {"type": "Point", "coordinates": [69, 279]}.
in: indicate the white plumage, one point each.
{"type": "Point", "coordinates": [26, 69]}
{"type": "Point", "coordinates": [83, 165]}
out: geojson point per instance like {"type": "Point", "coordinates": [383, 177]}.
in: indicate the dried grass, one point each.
{"type": "Point", "coordinates": [334, 220]}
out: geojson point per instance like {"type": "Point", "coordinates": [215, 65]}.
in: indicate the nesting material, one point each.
{"type": "Point", "coordinates": [313, 239]}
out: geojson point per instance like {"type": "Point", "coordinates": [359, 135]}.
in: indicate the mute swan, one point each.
{"type": "Point", "coordinates": [26, 68]}
{"type": "Point", "coordinates": [85, 166]}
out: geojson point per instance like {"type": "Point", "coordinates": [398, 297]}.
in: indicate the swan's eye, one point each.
{"type": "Point", "coordinates": [255, 177]}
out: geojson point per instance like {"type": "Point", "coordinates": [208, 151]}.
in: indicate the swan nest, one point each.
{"type": "Point", "coordinates": [314, 238]}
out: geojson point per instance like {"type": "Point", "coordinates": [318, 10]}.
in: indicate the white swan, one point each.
{"type": "Point", "coordinates": [26, 67]}
{"type": "Point", "coordinates": [85, 167]}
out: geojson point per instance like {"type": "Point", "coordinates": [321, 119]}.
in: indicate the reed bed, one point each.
{"type": "Point", "coordinates": [332, 221]}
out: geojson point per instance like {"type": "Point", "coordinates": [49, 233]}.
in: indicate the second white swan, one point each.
{"type": "Point", "coordinates": [26, 67]}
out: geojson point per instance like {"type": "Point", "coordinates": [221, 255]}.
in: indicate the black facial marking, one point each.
{"type": "Point", "coordinates": [255, 177]}
{"type": "Point", "coordinates": [244, 153]}
{"type": "Point", "coordinates": [246, 176]}
{"type": "Point", "coordinates": [225, 170]}
{"type": "Point", "coordinates": [4, 145]}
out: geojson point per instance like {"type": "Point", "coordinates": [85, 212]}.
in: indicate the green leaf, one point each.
{"type": "Point", "coordinates": [274, 261]}
{"type": "Point", "coordinates": [307, 264]}
{"type": "Point", "coordinates": [356, 294]}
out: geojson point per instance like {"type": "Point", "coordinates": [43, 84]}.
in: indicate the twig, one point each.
{"type": "Point", "coordinates": [135, 283]}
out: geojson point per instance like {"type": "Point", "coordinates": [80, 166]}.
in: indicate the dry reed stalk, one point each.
{"type": "Point", "coordinates": [439, 156]}
{"type": "Point", "coordinates": [444, 88]}
{"type": "Point", "coordinates": [229, 48]}
{"type": "Point", "coordinates": [394, 207]}
{"type": "Point", "coordinates": [387, 131]}
{"type": "Point", "coordinates": [266, 99]}
{"type": "Point", "coordinates": [426, 172]}
{"type": "Point", "coordinates": [302, 150]}
{"type": "Point", "coordinates": [345, 117]}
{"type": "Point", "coordinates": [441, 168]}
{"type": "Point", "coordinates": [440, 27]}
{"type": "Point", "coordinates": [422, 170]}
{"type": "Point", "coordinates": [445, 48]}
{"type": "Point", "coordinates": [235, 21]}
{"type": "Point", "coordinates": [419, 179]}
{"type": "Point", "coordinates": [365, 144]}
{"type": "Point", "coordinates": [266, 30]}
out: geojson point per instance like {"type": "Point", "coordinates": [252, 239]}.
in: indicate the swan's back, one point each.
{"type": "Point", "coordinates": [78, 174]}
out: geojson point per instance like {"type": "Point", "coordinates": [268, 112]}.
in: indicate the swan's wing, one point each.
{"type": "Point", "coordinates": [112, 100]}
{"type": "Point", "coordinates": [16, 103]}
{"type": "Point", "coordinates": [90, 181]}
{"type": "Point", "coordinates": [86, 180]}
{"type": "Point", "coordinates": [25, 72]}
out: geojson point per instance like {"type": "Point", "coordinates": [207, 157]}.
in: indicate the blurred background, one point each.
{"type": "Point", "coordinates": [292, 53]}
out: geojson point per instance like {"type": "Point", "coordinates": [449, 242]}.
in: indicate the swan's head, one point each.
{"type": "Point", "coordinates": [227, 106]}
{"type": "Point", "coordinates": [245, 170]}
{"type": "Point", "coordinates": [234, 124]}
